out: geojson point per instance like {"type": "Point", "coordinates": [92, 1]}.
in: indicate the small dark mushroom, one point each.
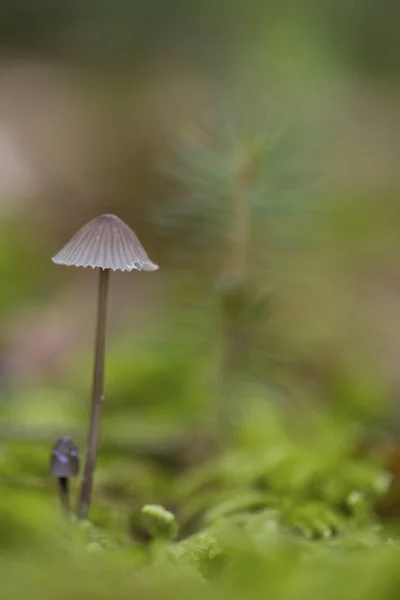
{"type": "Point", "coordinates": [63, 465]}
{"type": "Point", "coordinates": [108, 244]}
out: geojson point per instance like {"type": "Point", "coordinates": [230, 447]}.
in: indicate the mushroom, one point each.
{"type": "Point", "coordinates": [108, 244]}
{"type": "Point", "coordinates": [64, 464]}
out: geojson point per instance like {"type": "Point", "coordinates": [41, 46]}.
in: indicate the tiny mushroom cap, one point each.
{"type": "Point", "coordinates": [106, 243]}
{"type": "Point", "coordinates": [64, 458]}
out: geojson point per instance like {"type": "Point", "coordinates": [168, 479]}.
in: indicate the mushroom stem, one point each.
{"type": "Point", "coordinates": [97, 398]}
{"type": "Point", "coordinates": [64, 494]}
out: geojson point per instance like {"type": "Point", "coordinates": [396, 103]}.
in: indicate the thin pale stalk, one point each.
{"type": "Point", "coordinates": [97, 399]}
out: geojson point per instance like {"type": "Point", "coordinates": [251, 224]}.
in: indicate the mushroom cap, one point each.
{"type": "Point", "coordinates": [106, 243]}
{"type": "Point", "coordinates": [64, 458]}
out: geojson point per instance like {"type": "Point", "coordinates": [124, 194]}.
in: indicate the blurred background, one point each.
{"type": "Point", "coordinates": [253, 147]}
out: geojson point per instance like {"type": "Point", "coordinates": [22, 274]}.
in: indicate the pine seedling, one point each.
{"type": "Point", "coordinates": [242, 180]}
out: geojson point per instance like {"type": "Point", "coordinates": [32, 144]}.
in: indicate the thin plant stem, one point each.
{"type": "Point", "coordinates": [97, 399]}
{"type": "Point", "coordinates": [241, 223]}
{"type": "Point", "coordinates": [236, 268]}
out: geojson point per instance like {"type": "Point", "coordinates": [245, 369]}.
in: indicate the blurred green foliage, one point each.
{"type": "Point", "coordinates": [22, 266]}
{"type": "Point", "coordinates": [304, 527]}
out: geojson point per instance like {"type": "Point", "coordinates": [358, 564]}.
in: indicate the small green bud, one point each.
{"type": "Point", "coordinates": [160, 522]}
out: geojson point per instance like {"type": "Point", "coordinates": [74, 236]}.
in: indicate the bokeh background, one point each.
{"type": "Point", "coordinates": [253, 147]}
